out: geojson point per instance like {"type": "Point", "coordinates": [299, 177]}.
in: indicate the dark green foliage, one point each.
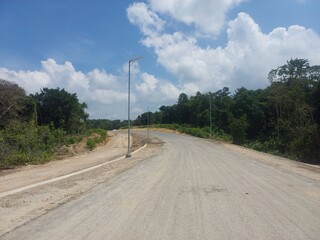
{"type": "Point", "coordinates": [238, 128]}
{"type": "Point", "coordinates": [282, 119]}
{"type": "Point", "coordinates": [91, 144]}
{"type": "Point", "coordinates": [250, 103]}
{"type": "Point", "coordinates": [22, 140]}
{"type": "Point", "coordinates": [61, 108]}
{"type": "Point", "coordinates": [26, 143]}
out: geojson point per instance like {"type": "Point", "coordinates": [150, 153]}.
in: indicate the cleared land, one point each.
{"type": "Point", "coordinates": [181, 187]}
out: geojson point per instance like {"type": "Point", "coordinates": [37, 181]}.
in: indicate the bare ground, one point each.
{"type": "Point", "coordinates": [188, 189]}
{"type": "Point", "coordinates": [19, 208]}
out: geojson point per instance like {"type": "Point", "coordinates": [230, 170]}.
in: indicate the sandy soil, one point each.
{"type": "Point", "coordinates": [189, 188]}
{"type": "Point", "coordinates": [179, 187]}
{"type": "Point", "coordinates": [19, 208]}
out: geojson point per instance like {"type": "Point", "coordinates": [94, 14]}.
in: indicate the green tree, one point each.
{"type": "Point", "coordinates": [168, 114]}
{"type": "Point", "coordinates": [61, 108]}
{"type": "Point", "coordinates": [182, 109]}
{"type": "Point", "coordinates": [295, 95]}
{"type": "Point", "coordinates": [250, 103]}
{"type": "Point", "coordinates": [12, 99]}
{"type": "Point", "coordinates": [238, 128]}
{"type": "Point", "coordinates": [222, 104]}
{"type": "Point", "coordinates": [199, 110]}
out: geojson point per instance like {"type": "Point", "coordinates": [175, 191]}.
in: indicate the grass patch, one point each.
{"type": "Point", "coordinates": [26, 143]}
{"type": "Point", "coordinates": [95, 136]}
{"type": "Point", "coordinates": [216, 134]}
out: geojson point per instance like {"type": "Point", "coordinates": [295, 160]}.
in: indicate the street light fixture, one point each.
{"type": "Point", "coordinates": [129, 145]}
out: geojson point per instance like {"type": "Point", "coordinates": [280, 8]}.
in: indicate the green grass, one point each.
{"type": "Point", "coordinates": [101, 135]}
{"type": "Point", "coordinates": [195, 131]}
{"type": "Point", "coordinates": [25, 143]}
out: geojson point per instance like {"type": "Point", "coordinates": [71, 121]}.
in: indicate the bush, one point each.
{"type": "Point", "coordinates": [93, 140]}
{"type": "Point", "coordinates": [91, 144]}
{"type": "Point", "coordinates": [25, 143]}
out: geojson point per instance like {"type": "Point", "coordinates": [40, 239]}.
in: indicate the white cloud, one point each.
{"type": "Point", "coordinates": [97, 88]}
{"type": "Point", "coordinates": [105, 94]}
{"type": "Point", "coordinates": [208, 16]}
{"type": "Point", "coordinates": [245, 60]}
{"type": "Point", "coordinates": [109, 96]}
{"type": "Point", "coordinates": [31, 81]}
{"type": "Point", "coordinates": [149, 22]}
{"type": "Point", "coordinates": [102, 79]}
{"type": "Point", "coordinates": [169, 91]}
{"type": "Point", "coordinates": [255, 53]}
{"type": "Point", "coordinates": [149, 84]}
{"type": "Point", "coordinates": [64, 75]}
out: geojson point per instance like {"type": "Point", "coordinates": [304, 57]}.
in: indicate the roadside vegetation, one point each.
{"type": "Point", "coordinates": [282, 119]}
{"type": "Point", "coordinates": [34, 128]}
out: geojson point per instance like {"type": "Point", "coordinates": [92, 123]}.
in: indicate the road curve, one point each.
{"type": "Point", "coordinates": [190, 189]}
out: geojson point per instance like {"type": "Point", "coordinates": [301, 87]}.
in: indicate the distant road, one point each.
{"type": "Point", "coordinates": [192, 189]}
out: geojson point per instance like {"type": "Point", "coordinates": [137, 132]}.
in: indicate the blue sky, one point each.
{"type": "Point", "coordinates": [187, 46]}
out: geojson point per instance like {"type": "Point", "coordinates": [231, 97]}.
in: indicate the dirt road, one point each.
{"type": "Point", "coordinates": [191, 189]}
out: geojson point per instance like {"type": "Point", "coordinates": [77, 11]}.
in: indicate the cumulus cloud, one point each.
{"type": "Point", "coordinates": [245, 60]}
{"type": "Point", "coordinates": [208, 16]}
{"type": "Point", "coordinates": [156, 91]}
{"type": "Point", "coordinates": [106, 94]}
{"type": "Point", "coordinates": [149, 22]}
{"type": "Point", "coordinates": [149, 84]}
{"type": "Point", "coordinates": [102, 79]}
{"type": "Point", "coordinates": [29, 80]}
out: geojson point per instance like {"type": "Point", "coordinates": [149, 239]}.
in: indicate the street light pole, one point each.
{"type": "Point", "coordinates": [129, 144]}
{"type": "Point", "coordinates": [148, 123]}
{"type": "Point", "coordinates": [210, 114]}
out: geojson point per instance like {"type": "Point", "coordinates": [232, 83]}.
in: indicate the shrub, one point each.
{"type": "Point", "coordinates": [91, 144]}
{"type": "Point", "coordinates": [93, 140]}
{"type": "Point", "coordinates": [25, 143]}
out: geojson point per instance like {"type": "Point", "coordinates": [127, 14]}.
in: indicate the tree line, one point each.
{"type": "Point", "coordinates": [283, 118]}
{"type": "Point", "coordinates": [33, 127]}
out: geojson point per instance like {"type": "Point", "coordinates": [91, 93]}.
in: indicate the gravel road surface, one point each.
{"type": "Point", "coordinates": [191, 188]}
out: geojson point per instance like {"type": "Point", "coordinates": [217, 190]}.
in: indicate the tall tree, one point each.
{"type": "Point", "coordinates": [250, 103]}
{"type": "Point", "coordinates": [61, 108]}
{"type": "Point", "coordinates": [294, 94]}
{"type": "Point", "coordinates": [12, 99]}
{"type": "Point", "coordinates": [182, 109]}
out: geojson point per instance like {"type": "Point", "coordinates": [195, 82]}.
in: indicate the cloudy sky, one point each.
{"type": "Point", "coordinates": [187, 46]}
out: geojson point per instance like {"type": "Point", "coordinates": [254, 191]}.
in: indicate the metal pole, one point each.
{"type": "Point", "coordinates": [129, 133]}
{"type": "Point", "coordinates": [148, 125]}
{"type": "Point", "coordinates": [129, 147]}
{"type": "Point", "coordinates": [210, 115]}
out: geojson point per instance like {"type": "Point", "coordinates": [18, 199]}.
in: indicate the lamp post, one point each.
{"type": "Point", "coordinates": [210, 112]}
{"type": "Point", "coordinates": [148, 123]}
{"type": "Point", "coordinates": [129, 145]}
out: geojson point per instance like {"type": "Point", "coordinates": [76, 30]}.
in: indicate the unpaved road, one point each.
{"type": "Point", "coordinates": [190, 188]}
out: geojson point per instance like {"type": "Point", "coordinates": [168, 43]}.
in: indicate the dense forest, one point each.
{"type": "Point", "coordinates": [283, 118]}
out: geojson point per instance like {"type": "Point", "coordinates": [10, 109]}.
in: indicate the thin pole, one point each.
{"type": "Point", "coordinates": [129, 145]}
{"type": "Point", "coordinates": [210, 115]}
{"type": "Point", "coordinates": [129, 133]}
{"type": "Point", "coordinates": [148, 125]}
